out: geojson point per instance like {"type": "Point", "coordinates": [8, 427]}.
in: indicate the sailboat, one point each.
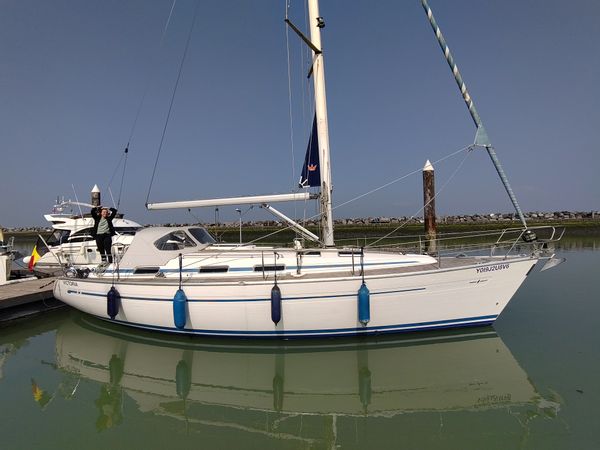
{"type": "Point", "coordinates": [178, 279]}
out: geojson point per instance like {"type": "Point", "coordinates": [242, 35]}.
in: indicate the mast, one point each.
{"type": "Point", "coordinates": [481, 137]}
{"type": "Point", "coordinates": [316, 23]}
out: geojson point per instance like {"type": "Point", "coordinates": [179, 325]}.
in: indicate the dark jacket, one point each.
{"type": "Point", "coordinates": [96, 214]}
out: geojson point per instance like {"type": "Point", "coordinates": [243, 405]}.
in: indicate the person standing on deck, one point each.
{"type": "Point", "coordinates": [103, 231]}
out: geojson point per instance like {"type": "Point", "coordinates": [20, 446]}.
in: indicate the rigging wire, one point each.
{"type": "Point", "coordinates": [111, 196]}
{"type": "Point", "coordinates": [164, 131]}
{"type": "Point", "coordinates": [285, 228]}
{"type": "Point", "coordinates": [123, 157]}
{"type": "Point", "coordinates": [194, 215]}
{"type": "Point", "coordinates": [287, 42]}
{"type": "Point", "coordinates": [116, 170]}
{"type": "Point", "coordinates": [77, 200]}
{"type": "Point", "coordinates": [468, 148]}
{"type": "Point", "coordinates": [147, 87]}
{"type": "Point", "coordinates": [137, 114]}
{"type": "Point", "coordinates": [318, 214]}
{"type": "Point", "coordinates": [403, 224]}
{"type": "Point", "coordinates": [123, 176]}
{"type": "Point", "coordinates": [389, 183]}
{"type": "Point", "coordinates": [307, 92]}
{"type": "Point", "coordinates": [303, 53]}
{"type": "Point", "coordinates": [372, 245]}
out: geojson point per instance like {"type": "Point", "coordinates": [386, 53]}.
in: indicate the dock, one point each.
{"type": "Point", "coordinates": [25, 298]}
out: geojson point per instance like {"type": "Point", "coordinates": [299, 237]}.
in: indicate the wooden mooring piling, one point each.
{"type": "Point", "coordinates": [429, 208]}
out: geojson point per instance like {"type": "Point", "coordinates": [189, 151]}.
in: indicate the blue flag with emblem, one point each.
{"type": "Point", "coordinates": [311, 173]}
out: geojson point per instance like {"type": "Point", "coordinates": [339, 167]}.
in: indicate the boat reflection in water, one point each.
{"type": "Point", "coordinates": [278, 388]}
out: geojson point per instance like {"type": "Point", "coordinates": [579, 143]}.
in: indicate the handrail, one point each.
{"type": "Point", "coordinates": [504, 240]}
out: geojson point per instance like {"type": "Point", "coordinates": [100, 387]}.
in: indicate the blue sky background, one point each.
{"type": "Point", "coordinates": [73, 74]}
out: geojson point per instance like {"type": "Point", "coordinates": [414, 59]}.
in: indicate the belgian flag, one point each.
{"type": "Point", "coordinates": [39, 250]}
{"type": "Point", "coordinates": [39, 395]}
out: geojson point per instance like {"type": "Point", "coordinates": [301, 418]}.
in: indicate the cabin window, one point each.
{"type": "Point", "coordinates": [82, 236]}
{"type": "Point", "coordinates": [175, 240]}
{"type": "Point", "coordinates": [75, 239]}
{"type": "Point", "coordinates": [201, 235]}
{"type": "Point", "coordinates": [145, 270]}
{"type": "Point", "coordinates": [213, 269]}
{"type": "Point", "coordinates": [269, 268]}
{"type": "Point", "coordinates": [83, 232]}
{"type": "Point", "coordinates": [350, 253]}
{"type": "Point", "coordinates": [311, 253]}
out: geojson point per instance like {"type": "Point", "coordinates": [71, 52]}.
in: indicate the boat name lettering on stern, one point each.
{"type": "Point", "coordinates": [492, 268]}
{"type": "Point", "coordinates": [70, 283]}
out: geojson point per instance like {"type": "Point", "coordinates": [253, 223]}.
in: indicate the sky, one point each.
{"type": "Point", "coordinates": [81, 79]}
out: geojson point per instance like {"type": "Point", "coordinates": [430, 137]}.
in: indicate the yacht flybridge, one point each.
{"type": "Point", "coordinates": [180, 280]}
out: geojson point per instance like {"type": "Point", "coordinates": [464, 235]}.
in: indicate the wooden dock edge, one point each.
{"type": "Point", "coordinates": [26, 298]}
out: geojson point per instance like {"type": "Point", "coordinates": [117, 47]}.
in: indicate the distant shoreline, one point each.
{"type": "Point", "coordinates": [574, 226]}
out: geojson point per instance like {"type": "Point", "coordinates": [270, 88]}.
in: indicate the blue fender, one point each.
{"type": "Point", "coordinates": [275, 304]}
{"type": "Point", "coordinates": [113, 298]}
{"type": "Point", "coordinates": [364, 304]}
{"type": "Point", "coordinates": [180, 309]}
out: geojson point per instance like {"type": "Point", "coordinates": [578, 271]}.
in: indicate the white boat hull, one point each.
{"type": "Point", "coordinates": [454, 297]}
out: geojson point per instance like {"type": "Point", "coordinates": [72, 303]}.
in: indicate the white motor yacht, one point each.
{"type": "Point", "coordinates": [71, 243]}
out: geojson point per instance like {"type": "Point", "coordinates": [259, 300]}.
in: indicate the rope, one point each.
{"type": "Point", "coordinates": [180, 269]}
{"type": "Point", "coordinates": [362, 263]}
{"type": "Point", "coordinates": [164, 131]}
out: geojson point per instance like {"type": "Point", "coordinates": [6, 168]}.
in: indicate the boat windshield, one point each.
{"type": "Point", "coordinates": [175, 240]}
{"type": "Point", "coordinates": [202, 236]}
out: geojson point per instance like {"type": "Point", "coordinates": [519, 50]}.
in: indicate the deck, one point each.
{"type": "Point", "coordinates": [443, 264]}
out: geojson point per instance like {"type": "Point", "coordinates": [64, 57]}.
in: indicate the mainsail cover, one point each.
{"type": "Point", "coordinates": [311, 173]}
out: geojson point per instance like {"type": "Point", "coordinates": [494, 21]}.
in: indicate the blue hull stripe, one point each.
{"type": "Point", "coordinates": [308, 297]}
{"type": "Point", "coordinates": [419, 326]}
{"type": "Point", "coordinates": [287, 268]}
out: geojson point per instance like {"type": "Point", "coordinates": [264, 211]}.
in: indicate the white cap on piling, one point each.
{"type": "Point", "coordinates": [95, 189]}
{"type": "Point", "coordinates": [428, 167]}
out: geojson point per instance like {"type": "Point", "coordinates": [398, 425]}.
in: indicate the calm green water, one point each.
{"type": "Point", "coordinates": [69, 381]}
